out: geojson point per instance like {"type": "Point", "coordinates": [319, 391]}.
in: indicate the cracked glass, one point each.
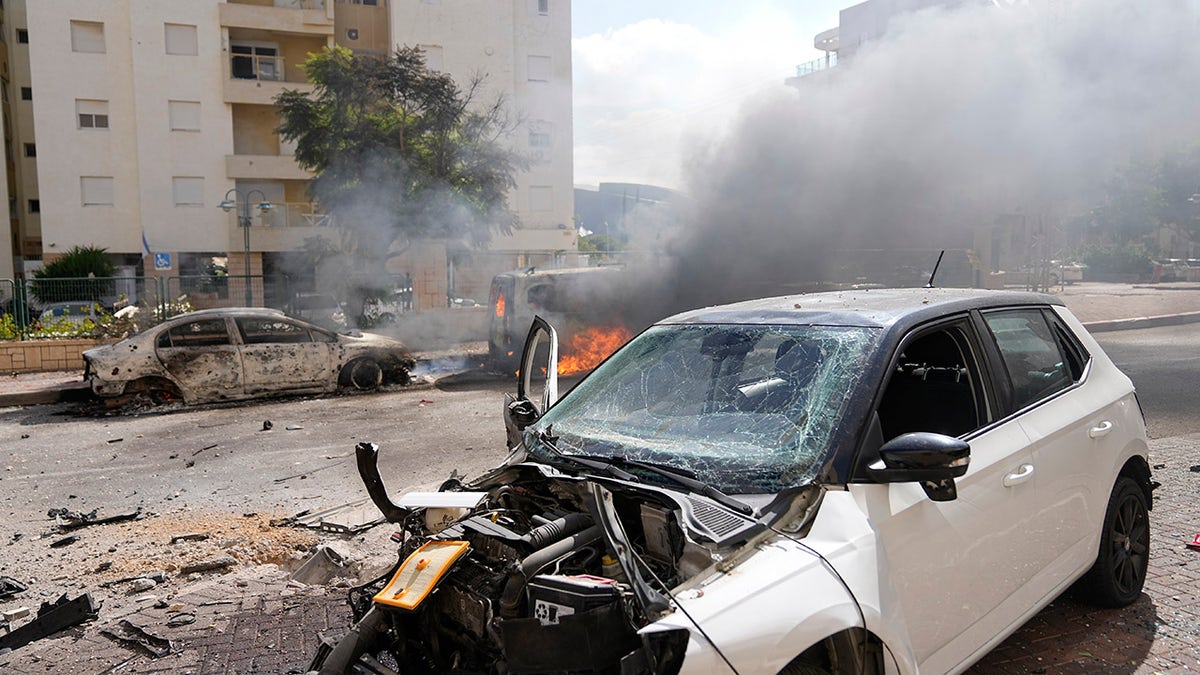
{"type": "Point", "coordinates": [745, 408]}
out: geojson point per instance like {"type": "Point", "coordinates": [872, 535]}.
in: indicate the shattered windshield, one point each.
{"type": "Point", "coordinates": [746, 408]}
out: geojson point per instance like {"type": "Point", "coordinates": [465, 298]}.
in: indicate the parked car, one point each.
{"type": "Point", "coordinates": [239, 353]}
{"type": "Point", "coordinates": [76, 312]}
{"type": "Point", "coordinates": [320, 308]}
{"type": "Point", "coordinates": [859, 482]}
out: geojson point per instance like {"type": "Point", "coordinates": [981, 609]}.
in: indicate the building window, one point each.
{"type": "Point", "coordinates": [181, 39]}
{"type": "Point", "coordinates": [30, 150]}
{"type": "Point", "coordinates": [87, 37]}
{"type": "Point", "coordinates": [256, 62]}
{"type": "Point", "coordinates": [188, 190]}
{"type": "Point", "coordinates": [434, 60]}
{"type": "Point", "coordinates": [22, 36]}
{"type": "Point", "coordinates": [539, 68]}
{"type": "Point", "coordinates": [26, 93]}
{"type": "Point", "coordinates": [541, 198]}
{"type": "Point", "coordinates": [96, 190]}
{"type": "Point", "coordinates": [539, 139]}
{"type": "Point", "coordinates": [91, 114]}
{"type": "Point", "coordinates": [35, 206]}
{"type": "Point", "coordinates": [543, 6]}
{"type": "Point", "coordinates": [184, 115]}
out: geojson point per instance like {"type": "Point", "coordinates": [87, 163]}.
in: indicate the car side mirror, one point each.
{"type": "Point", "coordinates": [933, 460]}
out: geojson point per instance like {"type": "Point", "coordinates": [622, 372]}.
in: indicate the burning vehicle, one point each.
{"type": "Point", "coordinates": [868, 482]}
{"type": "Point", "coordinates": [582, 302]}
{"type": "Point", "coordinates": [239, 353]}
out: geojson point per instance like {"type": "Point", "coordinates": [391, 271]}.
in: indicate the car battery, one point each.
{"type": "Point", "coordinates": [553, 596]}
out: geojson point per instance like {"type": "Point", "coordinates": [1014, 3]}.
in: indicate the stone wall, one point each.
{"type": "Point", "coordinates": [30, 356]}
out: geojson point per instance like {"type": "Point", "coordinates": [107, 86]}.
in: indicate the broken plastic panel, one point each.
{"type": "Point", "coordinates": [420, 573]}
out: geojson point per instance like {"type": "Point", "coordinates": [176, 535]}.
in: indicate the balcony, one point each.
{"type": "Point", "coordinates": [308, 17]}
{"type": "Point", "coordinates": [264, 167]}
{"type": "Point", "coordinates": [295, 214]}
{"type": "Point", "coordinates": [817, 65]}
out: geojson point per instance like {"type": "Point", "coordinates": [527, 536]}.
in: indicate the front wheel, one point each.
{"type": "Point", "coordinates": [1116, 578]}
{"type": "Point", "coordinates": [363, 374]}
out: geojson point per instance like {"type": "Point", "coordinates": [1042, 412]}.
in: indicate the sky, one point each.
{"type": "Point", "coordinates": [652, 79]}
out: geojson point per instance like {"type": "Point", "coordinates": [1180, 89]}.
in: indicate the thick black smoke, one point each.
{"type": "Point", "coordinates": [951, 121]}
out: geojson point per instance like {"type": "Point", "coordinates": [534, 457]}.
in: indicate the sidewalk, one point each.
{"type": "Point", "coordinates": [1100, 306]}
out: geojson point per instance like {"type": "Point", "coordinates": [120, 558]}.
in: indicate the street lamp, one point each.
{"type": "Point", "coordinates": [243, 200]}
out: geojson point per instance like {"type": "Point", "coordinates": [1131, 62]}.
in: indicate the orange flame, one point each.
{"type": "Point", "coordinates": [500, 306]}
{"type": "Point", "coordinates": [589, 347]}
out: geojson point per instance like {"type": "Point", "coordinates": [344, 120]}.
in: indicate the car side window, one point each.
{"type": "Point", "coordinates": [935, 386]}
{"type": "Point", "coordinates": [1032, 354]}
{"type": "Point", "coordinates": [271, 331]}
{"type": "Point", "coordinates": [1075, 354]}
{"type": "Point", "coordinates": [202, 333]}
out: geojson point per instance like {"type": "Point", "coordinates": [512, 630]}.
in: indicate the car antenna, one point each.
{"type": "Point", "coordinates": [935, 269]}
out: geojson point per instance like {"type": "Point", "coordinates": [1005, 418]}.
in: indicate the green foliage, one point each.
{"type": "Point", "coordinates": [1144, 195]}
{"type": "Point", "coordinates": [599, 243]}
{"type": "Point", "coordinates": [82, 273]}
{"type": "Point", "coordinates": [8, 327]}
{"type": "Point", "coordinates": [400, 151]}
{"type": "Point", "coordinates": [1119, 259]}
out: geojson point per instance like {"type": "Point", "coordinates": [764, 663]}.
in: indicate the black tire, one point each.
{"type": "Point", "coordinates": [362, 374]}
{"type": "Point", "coordinates": [1119, 572]}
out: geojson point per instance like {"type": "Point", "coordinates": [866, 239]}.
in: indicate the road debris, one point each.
{"type": "Point", "coordinates": [218, 563]}
{"type": "Point", "coordinates": [10, 587]}
{"type": "Point", "coordinates": [1194, 544]}
{"type": "Point", "coordinates": [115, 440]}
{"type": "Point", "coordinates": [142, 585]}
{"type": "Point", "coordinates": [181, 619]}
{"type": "Point", "coordinates": [207, 447]}
{"type": "Point", "coordinates": [11, 615]}
{"type": "Point", "coordinates": [321, 567]}
{"type": "Point", "coordinates": [293, 427]}
{"type": "Point", "coordinates": [71, 520]}
{"type": "Point", "coordinates": [305, 474]}
{"type": "Point", "coordinates": [351, 518]}
{"type": "Point", "coordinates": [194, 536]}
{"type": "Point", "coordinates": [65, 541]}
{"type": "Point", "coordinates": [267, 425]}
{"type": "Point", "coordinates": [128, 632]}
{"type": "Point", "coordinates": [157, 577]}
{"type": "Point", "coordinates": [52, 618]}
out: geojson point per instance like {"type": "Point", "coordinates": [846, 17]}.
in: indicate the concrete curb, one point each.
{"type": "Point", "coordinates": [78, 391]}
{"type": "Point", "coordinates": [1142, 322]}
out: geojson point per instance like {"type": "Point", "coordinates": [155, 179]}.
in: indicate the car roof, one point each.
{"type": "Point", "coordinates": [534, 272]}
{"type": "Point", "coordinates": [875, 308]}
{"type": "Point", "coordinates": [229, 311]}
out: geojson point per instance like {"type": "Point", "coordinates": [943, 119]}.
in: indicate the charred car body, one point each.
{"type": "Point", "coordinates": [878, 481]}
{"type": "Point", "coordinates": [238, 353]}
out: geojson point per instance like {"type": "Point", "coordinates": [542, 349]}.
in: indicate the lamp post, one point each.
{"type": "Point", "coordinates": [243, 200]}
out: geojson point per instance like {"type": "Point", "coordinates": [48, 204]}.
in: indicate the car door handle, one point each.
{"type": "Point", "coordinates": [1101, 429]}
{"type": "Point", "coordinates": [1022, 474]}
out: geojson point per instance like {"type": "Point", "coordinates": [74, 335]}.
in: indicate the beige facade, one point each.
{"type": "Point", "coordinates": [146, 114]}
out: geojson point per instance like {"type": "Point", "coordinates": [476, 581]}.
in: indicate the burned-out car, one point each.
{"type": "Point", "coordinates": [861, 482]}
{"type": "Point", "coordinates": [238, 353]}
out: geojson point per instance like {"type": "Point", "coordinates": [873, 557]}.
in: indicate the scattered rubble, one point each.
{"type": "Point", "coordinates": [70, 520]}
{"type": "Point", "coordinates": [128, 632]}
{"type": "Point", "coordinates": [52, 618]}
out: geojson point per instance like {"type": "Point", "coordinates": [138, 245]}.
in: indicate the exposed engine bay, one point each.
{"type": "Point", "coordinates": [529, 570]}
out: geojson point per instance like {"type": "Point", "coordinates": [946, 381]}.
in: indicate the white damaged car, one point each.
{"type": "Point", "coordinates": [859, 482]}
{"type": "Point", "coordinates": [239, 353]}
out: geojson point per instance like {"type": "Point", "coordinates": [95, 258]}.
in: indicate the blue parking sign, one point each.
{"type": "Point", "coordinates": [162, 261]}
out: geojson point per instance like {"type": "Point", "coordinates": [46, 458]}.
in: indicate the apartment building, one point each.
{"type": "Point", "coordinates": [132, 121]}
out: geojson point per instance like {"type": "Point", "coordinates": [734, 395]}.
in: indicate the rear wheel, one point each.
{"type": "Point", "coordinates": [362, 374]}
{"type": "Point", "coordinates": [1119, 572]}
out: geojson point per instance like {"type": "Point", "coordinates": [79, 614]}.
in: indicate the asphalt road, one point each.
{"type": "Point", "coordinates": [1163, 364]}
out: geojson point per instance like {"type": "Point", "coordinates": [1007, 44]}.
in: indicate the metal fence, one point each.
{"type": "Point", "coordinates": [71, 307]}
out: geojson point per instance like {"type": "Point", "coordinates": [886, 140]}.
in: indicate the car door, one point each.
{"type": "Point", "coordinates": [202, 359]}
{"type": "Point", "coordinates": [282, 355]}
{"type": "Point", "coordinates": [1071, 425]}
{"type": "Point", "coordinates": [952, 568]}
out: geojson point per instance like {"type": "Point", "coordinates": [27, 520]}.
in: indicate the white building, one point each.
{"type": "Point", "coordinates": [132, 120]}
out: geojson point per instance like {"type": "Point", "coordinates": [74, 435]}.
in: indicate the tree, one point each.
{"type": "Point", "coordinates": [400, 152]}
{"type": "Point", "coordinates": [82, 273]}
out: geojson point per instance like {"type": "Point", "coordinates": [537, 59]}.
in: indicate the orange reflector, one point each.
{"type": "Point", "coordinates": [420, 574]}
